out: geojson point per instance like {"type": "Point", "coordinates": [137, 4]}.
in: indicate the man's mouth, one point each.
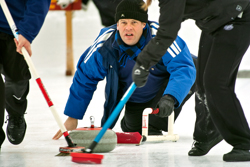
{"type": "Point", "coordinates": [129, 34]}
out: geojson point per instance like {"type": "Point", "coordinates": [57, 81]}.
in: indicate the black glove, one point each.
{"type": "Point", "coordinates": [139, 75]}
{"type": "Point", "coordinates": [166, 106]}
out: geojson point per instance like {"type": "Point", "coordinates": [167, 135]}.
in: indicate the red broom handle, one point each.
{"type": "Point", "coordinates": [35, 74]}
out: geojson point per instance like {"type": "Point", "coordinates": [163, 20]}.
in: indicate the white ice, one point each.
{"type": "Point", "coordinates": [49, 56]}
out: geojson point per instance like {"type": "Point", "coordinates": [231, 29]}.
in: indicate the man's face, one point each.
{"type": "Point", "coordinates": [130, 30]}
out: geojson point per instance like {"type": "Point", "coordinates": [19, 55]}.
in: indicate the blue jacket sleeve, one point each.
{"type": "Point", "coordinates": [89, 72]}
{"type": "Point", "coordinates": [33, 19]}
{"type": "Point", "coordinates": [180, 65]}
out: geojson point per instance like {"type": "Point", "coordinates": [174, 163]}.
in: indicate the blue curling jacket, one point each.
{"type": "Point", "coordinates": [28, 16]}
{"type": "Point", "coordinates": [101, 60]}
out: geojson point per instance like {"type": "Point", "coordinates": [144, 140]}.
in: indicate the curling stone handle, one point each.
{"type": "Point", "coordinates": [155, 111]}
{"type": "Point", "coordinates": [92, 121]}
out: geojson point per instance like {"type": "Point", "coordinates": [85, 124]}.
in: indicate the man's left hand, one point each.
{"type": "Point", "coordinates": [22, 42]}
{"type": "Point", "coordinates": [166, 106]}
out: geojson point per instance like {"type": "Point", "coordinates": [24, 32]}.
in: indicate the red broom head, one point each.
{"type": "Point", "coordinates": [86, 158]}
{"type": "Point", "coordinates": [128, 137]}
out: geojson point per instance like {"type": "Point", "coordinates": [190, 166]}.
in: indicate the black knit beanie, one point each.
{"type": "Point", "coordinates": [131, 9]}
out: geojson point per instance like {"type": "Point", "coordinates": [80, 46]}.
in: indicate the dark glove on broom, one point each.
{"type": "Point", "coordinates": [166, 106]}
{"type": "Point", "coordinates": [139, 75]}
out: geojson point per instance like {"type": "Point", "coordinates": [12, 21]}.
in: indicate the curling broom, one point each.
{"type": "Point", "coordinates": [87, 157]}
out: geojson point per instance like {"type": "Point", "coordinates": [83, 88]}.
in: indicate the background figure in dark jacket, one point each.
{"type": "Point", "coordinates": [113, 55]}
{"type": "Point", "coordinates": [29, 16]}
{"type": "Point", "coordinates": [106, 9]}
{"type": "Point", "coordinates": [224, 40]}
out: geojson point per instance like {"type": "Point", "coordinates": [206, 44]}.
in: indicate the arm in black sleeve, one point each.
{"type": "Point", "coordinates": [171, 15]}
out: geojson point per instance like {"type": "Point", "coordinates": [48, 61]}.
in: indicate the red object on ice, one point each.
{"type": "Point", "coordinates": [87, 128]}
{"type": "Point", "coordinates": [86, 158]}
{"type": "Point", "coordinates": [76, 5]}
{"type": "Point", "coordinates": [128, 137]}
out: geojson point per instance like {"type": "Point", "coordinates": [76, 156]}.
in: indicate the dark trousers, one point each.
{"type": "Point", "coordinates": [17, 75]}
{"type": "Point", "coordinates": [219, 58]}
{"type": "Point", "coordinates": [132, 120]}
{"type": "Point", "coordinates": [2, 93]}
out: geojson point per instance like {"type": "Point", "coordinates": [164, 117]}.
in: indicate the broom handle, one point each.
{"type": "Point", "coordinates": [35, 74]}
{"type": "Point", "coordinates": [112, 117]}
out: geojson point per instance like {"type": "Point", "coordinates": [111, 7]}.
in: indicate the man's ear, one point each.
{"type": "Point", "coordinates": [117, 25]}
{"type": "Point", "coordinates": [144, 24]}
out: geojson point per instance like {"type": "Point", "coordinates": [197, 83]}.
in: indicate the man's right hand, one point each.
{"type": "Point", "coordinates": [70, 124]}
{"type": "Point", "coordinates": [140, 75]}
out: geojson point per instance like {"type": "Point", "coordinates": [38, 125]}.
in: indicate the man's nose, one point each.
{"type": "Point", "coordinates": [128, 27]}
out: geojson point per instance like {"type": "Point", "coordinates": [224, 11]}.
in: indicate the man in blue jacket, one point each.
{"type": "Point", "coordinates": [29, 16]}
{"type": "Point", "coordinates": [113, 55]}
